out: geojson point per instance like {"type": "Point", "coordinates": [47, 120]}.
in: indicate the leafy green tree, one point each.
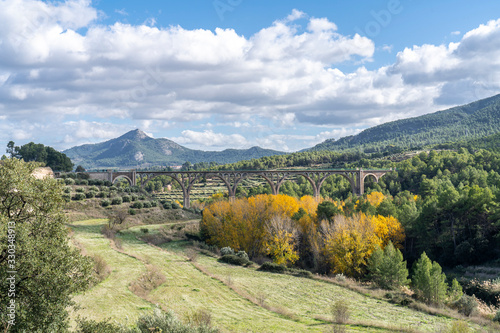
{"type": "Point", "coordinates": [387, 268]}
{"type": "Point", "coordinates": [47, 269]}
{"type": "Point", "coordinates": [429, 282]}
{"type": "Point", "coordinates": [80, 169]}
{"type": "Point", "coordinates": [39, 153]}
{"type": "Point", "coordinates": [327, 210]}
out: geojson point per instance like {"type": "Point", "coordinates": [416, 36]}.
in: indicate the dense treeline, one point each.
{"type": "Point", "coordinates": [456, 218]}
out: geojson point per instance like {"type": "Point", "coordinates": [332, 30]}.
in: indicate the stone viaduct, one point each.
{"type": "Point", "coordinates": [231, 179]}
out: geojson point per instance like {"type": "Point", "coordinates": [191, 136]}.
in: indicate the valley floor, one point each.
{"type": "Point", "coordinates": [239, 299]}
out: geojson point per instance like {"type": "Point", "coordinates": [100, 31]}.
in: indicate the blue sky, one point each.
{"type": "Point", "coordinates": [237, 73]}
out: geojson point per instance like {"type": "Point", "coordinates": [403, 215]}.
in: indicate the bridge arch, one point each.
{"type": "Point", "coordinates": [244, 176]}
{"type": "Point", "coordinates": [118, 177]}
{"type": "Point", "coordinates": [350, 179]}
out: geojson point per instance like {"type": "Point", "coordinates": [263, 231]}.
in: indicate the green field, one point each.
{"type": "Point", "coordinates": [284, 303]}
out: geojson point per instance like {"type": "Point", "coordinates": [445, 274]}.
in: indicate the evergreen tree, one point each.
{"type": "Point", "coordinates": [429, 283]}
{"type": "Point", "coordinates": [387, 268]}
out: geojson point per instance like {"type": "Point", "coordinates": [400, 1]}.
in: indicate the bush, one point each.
{"type": "Point", "coordinates": [105, 203]}
{"type": "Point", "coordinates": [66, 197]}
{"type": "Point", "coordinates": [137, 205]}
{"type": "Point", "coordinates": [497, 316]}
{"type": "Point", "coordinates": [273, 268]}
{"type": "Point", "coordinates": [167, 205]}
{"type": "Point", "coordinates": [243, 254]}
{"type": "Point", "coordinates": [79, 196]}
{"type": "Point", "coordinates": [92, 326]}
{"type": "Point", "coordinates": [175, 205]}
{"type": "Point", "coordinates": [80, 190]}
{"type": "Point", "coordinates": [142, 197]}
{"type": "Point", "coordinates": [168, 322]}
{"type": "Point", "coordinates": [94, 188]}
{"type": "Point", "coordinates": [144, 230]}
{"type": "Point", "coordinates": [154, 203]}
{"type": "Point", "coordinates": [341, 311]}
{"type": "Point", "coordinates": [84, 182]}
{"type": "Point", "coordinates": [69, 181]}
{"type": "Point", "coordinates": [133, 197]}
{"type": "Point", "coordinates": [466, 305]}
{"type": "Point", "coordinates": [116, 201]}
{"type": "Point", "coordinates": [126, 198]}
{"type": "Point", "coordinates": [67, 189]}
{"type": "Point", "coordinates": [101, 268]}
{"type": "Point", "coordinates": [102, 194]}
{"type": "Point", "coordinates": [301, 273]}
{"type": "Point", "coordinates": [132, 211]}
{"type": "Point", "coordinates": [226, 251]}
{"type": "Point", "coordinates": [233, 260]}
{"type": "Point", "coordinates": [146, 204]}
{"type": "Point", "coordinates": [90, 194]}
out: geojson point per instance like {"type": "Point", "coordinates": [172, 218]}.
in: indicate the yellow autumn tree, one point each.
{"type": "Point", "coordinates": [375, 198]}
{"type": "Point", "coordinates": [349, 241]}
{"type": "Point", "coordinates": [281, 240]}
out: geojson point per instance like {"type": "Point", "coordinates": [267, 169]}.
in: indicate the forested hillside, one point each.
{"type": "Point", "coordinates": [471, 121]}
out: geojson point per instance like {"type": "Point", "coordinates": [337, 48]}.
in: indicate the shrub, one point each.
{"type": "Point", "coordinates": [79, 196]}
{"type": "Point", "coordinates": [102, 194]}
{"type": "Point", "coordinates": [80, 190]}
{"type": "Point", "coordinates": [273, 268]}
{"type": "Point", "coordinates": [497, 316]}
{"type": "Point", "coordinates": [168, 322]}
{"type": "Point", "coordinates": [137, 205]}
{"type": "Point", "coordinates": [144, 230]}
{"type": "Point", "coordinates": [167, 205]}
{"type": "Point", "coordinates": [126, 198]}
{"type": "Point", "coordinates": [201, 318]}
{"type": "Point", "coordinates": [154, 203]}
{"type": "Point", "coordinates": [301, 273]}
{"type": "Point", "coordinates": [142, 197]}
{"type": "Point", "coordinates": [92, 326]}
{"type": "Point", "coordinates": [341, 311]}
{"type": "Point", "coordinates": [133, 197]}
{"type": "Point", "coordinates": [175, 205]}
{"type": "Point", "coordinates": [243, 254]}
{"type": "Point", "coordinates": [132, 211]}
{"type": "Point", "coordinates": [90, 194]}
{"type": "Point", "coordinates": [116, 201]}
{"type": "Point", "coordinates": [101, 268]}
{"type": "Point", "coordinates": [147, 282]}
{"type": "Point", "coordinates": [226, 251]}
{"type": "Point", "coordinates": [94, 188]}
{"type": "Point", "coordinates": [466, 305]}
{"type": "Point", "coordinates": [84, 182]}
{"type": "Point", "coordinates": [146, 204]}
{"type": "Point", "coordinates": [233, 260]}
{"type": "Point", "coordinates": [105, 203]}
{"type": "Point", "coordinates": [67, 189]}
{"type": "Point", "coordinates": [113, 188]}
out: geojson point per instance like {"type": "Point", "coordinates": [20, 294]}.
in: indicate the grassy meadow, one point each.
{"type": "Point", "coordinates": [238, 299]}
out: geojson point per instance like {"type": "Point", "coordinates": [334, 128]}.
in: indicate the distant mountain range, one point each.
{"type": "Point", "coordinates": [462, 123]}
{"type": "Point", "coordinates": [468, 123]}
{"type": "Point", "coordinates": [136, 149]}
